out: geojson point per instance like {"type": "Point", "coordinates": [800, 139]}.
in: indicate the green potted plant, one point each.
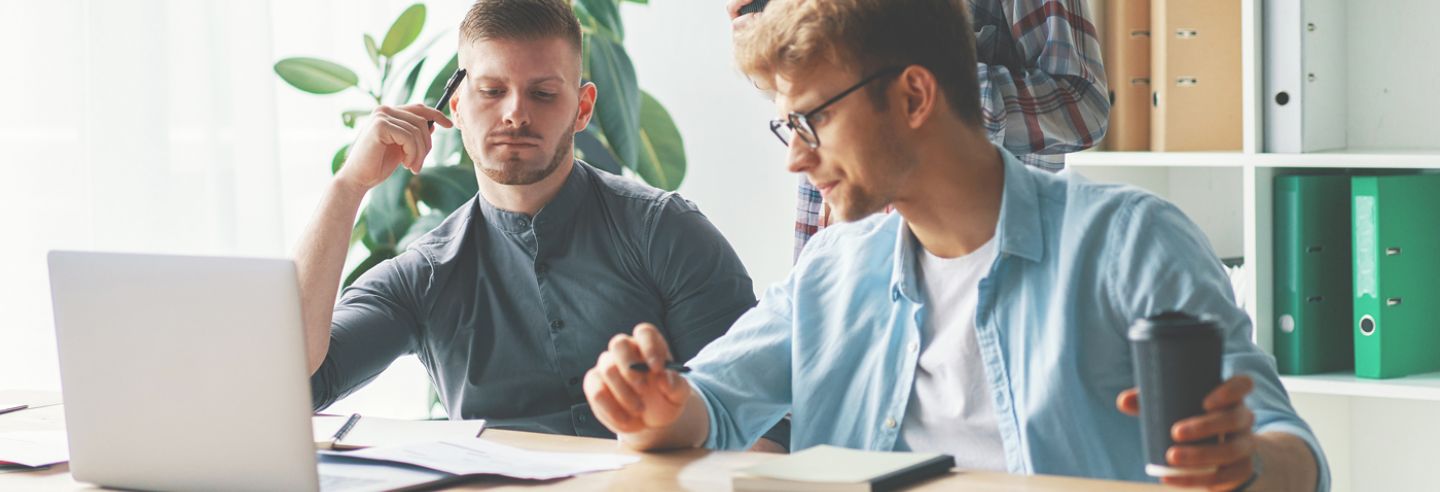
{"type": "Point", "coordinates": [631, 129]}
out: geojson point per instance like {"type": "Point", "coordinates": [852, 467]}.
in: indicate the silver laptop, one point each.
{"type": "Point", "coordinates": [189, 373]}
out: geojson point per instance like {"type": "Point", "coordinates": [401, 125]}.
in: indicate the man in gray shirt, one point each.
{"type": "Point", "coordinates": [510, 300]}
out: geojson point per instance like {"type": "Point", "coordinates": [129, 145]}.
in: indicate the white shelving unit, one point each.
{"type": "Point", "coordinates": [1369, 428]}
{"type": "Point", "coordinates": [1423, 387]}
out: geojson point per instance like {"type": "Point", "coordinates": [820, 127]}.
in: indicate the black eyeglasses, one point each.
{"type": "Point", "coordinates": [798, 124]}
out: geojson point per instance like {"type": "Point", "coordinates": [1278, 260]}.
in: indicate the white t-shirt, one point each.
{"type": "Point", "coordinates": [950, 410]}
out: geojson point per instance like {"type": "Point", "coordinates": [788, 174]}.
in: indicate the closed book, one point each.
{"type": "Point", "coordinates": [1305, 79]}
{"type": "Point", "coordinates": [1397, 264]}
{"type": "Point", "coordinates": [1313, 300]}
{"type": "Point", "coordinates": [1126, 49]}
{"type": "Point", "coordinates": [830, 468]}
{"type": "Point", "coordinates": [1196, 81]}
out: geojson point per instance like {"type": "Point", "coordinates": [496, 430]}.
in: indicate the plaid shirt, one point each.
{"type": "Point", "coordinates": [1042, 88]}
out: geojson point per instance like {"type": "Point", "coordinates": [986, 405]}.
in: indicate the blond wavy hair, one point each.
{"type": "Point", "coordinates": [793, 36]}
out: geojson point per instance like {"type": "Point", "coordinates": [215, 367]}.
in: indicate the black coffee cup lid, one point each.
{"type": "Point", "coordinates": [1172, 324]}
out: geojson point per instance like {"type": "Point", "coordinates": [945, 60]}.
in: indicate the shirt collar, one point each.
{"type": "Point", "coordinates": [1018, 232]}
{"type": "Point", "coordinates": [558, 212]}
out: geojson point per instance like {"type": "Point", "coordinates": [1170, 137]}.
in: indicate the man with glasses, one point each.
{"type": "Point", "coordinates": [1042, 87]}
{"type": "Point", "coordinates": [510, 299]}
{"type": "Point", "coordinates": [986, 319]}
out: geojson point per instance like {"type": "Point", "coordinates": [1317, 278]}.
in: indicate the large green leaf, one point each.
{"type": "Point", "coordinates": [420, 51]}
{"type": "Point", "coordinates": [421, 227]}
{"type": "Point", "coordinates": [372, 50]}
{"type": "Point", "coordinates": [358, 233]}
{"type": "Point", "coordinates": [390, 211]}
{"type": "Point", "coordinates": [437, 85]}
{"type": "Point", "coordinates": [402, 96]}
{"type": "Point", "coordinates": [617, 107]}
{"type": "Point", "coordinates": [338, 160]}
{"type": "Point", "coordinates": [447, 147]}
{"type": "Point", "coordinates": [605, 12]}
{"type": "Point", "coordinates": [376, 257]}
{"type": "Point", "coordinates": [404, 31]}
{"type": "Point", "coordinates": [591, 146]}
{"type": "Point", "coordinates": [316, 76]}
{"type": "Point", "coordinates": [662, 152]}
{"type": "Point", "coordinates": [446, 188]}
{"type": "Point", "coordinates": [590, 25]}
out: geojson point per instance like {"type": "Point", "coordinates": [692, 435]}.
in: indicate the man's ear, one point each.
{"type": "Point", "coordinates": [587, 107]}
{"type": "Point", "coordinates": [920, 93]}
{"type": "Point", "coordinates": [454, 107]}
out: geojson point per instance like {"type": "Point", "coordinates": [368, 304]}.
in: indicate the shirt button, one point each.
{"type": "Point", "coordinates": [557, 324]}
{"type": "Point", "coordinates": [541, 268]}
{"type": "Point", "coordinates": [914, 346]}
{"type": "Point", "coordinates": [522, 222]}
{"type": "Point", "coordinates": [890, 423]}
{"type": "Point", "coordinates": [575, 380]}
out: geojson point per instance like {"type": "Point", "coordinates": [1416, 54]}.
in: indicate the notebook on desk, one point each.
{"type": "Point", "coordinates": [366, 432]}
{"type": "Point", "coordinates": [832, 469]}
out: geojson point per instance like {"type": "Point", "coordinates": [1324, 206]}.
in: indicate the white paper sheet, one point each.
{"type": "Point", "coordinates": [34, 448]}
{"type": "Point", "coordinates": [481, 457]}
{"type": "Point", "coordinates": [376, 431]}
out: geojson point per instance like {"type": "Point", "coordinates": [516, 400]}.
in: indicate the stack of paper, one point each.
{"type": "Point", "coordinates": [33, 448]}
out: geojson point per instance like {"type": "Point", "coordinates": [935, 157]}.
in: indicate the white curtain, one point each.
{"type": "Point", "coordinates": [135, 126]}
{"type": "Point", "coordinates": [159, 126]}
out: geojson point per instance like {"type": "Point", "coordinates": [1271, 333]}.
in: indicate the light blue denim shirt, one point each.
{"type": "Point", "coordinates": [836, 343]}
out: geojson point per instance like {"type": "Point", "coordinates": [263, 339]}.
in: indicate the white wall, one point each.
{"type": "Point", "coordinates": [736, 167]}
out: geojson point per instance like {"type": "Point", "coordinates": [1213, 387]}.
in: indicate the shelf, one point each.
{"type": "Point", "coordinates": [1350, 159]}
{"type": "Point", "coordinates": [1354, 159]}
{"type": "Point", "coordinates": [1417, 387]}
{"type": "Point", "coordinates": [1157, 159]}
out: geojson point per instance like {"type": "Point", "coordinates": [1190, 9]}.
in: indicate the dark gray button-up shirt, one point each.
{"type": "Point", "coordinates": [507, 311]}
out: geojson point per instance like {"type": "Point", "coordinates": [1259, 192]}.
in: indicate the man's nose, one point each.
{"type": "Point", "coordinates": [516, 112]}
{"type": "Point", "coordinates": [801, 156]}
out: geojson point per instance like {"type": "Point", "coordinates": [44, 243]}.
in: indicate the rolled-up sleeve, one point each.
{"type": "Point", "coordinates": [374, 323]}
{"type": "Point", "coordinates": [1166, 264]}
{"type": "Point", "coordinates": [744, 377]}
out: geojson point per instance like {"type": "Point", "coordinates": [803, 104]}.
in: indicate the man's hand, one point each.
{"type": "Point", "coordinates": [393, 136]}
{"type": "Point", "coordinates": [629, 401]}
{"type": "Point", "coordinates": [1227, 418]}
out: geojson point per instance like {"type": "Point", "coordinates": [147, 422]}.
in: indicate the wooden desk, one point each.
{"type": "Point", "coordinates": [697, 470]}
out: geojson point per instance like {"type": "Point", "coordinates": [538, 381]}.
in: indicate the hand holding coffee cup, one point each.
{"type": "Point", "coordinates": [1196, 430]}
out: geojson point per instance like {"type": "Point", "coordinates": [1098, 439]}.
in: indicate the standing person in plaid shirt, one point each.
{"type": "Point", "coordinates": [1042, 87]}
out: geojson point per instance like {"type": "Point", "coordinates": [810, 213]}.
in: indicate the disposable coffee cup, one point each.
{"type": "Point", "coordinates": [1177, 364]}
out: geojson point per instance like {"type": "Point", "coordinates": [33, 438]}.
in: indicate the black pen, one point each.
{"type": "Point", "coordinates": [450, 86]}
{"type": "Point", "coordinates": [13, 409]}
{"type": "Point", "coordinates": [674, 366]}
{"type": "Point", "coordinates": [345, 429]}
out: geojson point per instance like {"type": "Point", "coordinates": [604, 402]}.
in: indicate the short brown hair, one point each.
{"type": "Point", "coordinates": [521, 19]}
{"type": "Point", "coordinates": [793, 36]}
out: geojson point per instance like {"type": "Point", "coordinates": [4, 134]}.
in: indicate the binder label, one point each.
{"type": "Point", "coordinates": [1365, 259]}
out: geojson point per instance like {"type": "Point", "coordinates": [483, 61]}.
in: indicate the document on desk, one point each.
{"type": "Point", "coordinates": [369, 431]}
{"type": "Point", "coordinates": [481, 457]}
{"type": "Point", "coordinates": [34, 448]}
